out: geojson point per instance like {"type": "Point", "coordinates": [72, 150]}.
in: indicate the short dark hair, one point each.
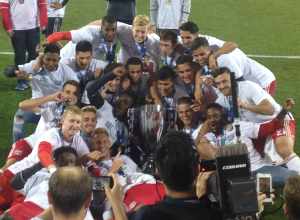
{"type": "Point", "coordinates": [190, 27]}
{"type": "Point", "coordinates": [291, 195]}
{"type": "Point", "coordinates": [176, 161]}
{"type": "Point", "coordinates": [184, 100]}
{"type": "Point", "coordinates": [109, 19]}
{"type": "Point", "coordinates": [165, 73]}
{"type": "Point", "coordinates": [184, 59]}
{"type": "Point", "coordinates": [110, 67]}
{"type": "Point", "coordinates": [69, 189]}
{"type": "Point", "coordinates": [75, 84]}
{"type": "Point", "coordinates": [84, 46]}
{"type": "Point", "coordinates": [199, 42]}
{"type": "Point", "coordinates": [220, 71]}
{"type": "Point", "coordinates": [219, 108]}
{"type": "Point", "coordinates": [133, 61]}
{"type": "Point", "coordinates": [52, 48]}
{"type": "Point", "coordinates": [168, 35]}
{"type": "Point", "coordinates": [60, 153]}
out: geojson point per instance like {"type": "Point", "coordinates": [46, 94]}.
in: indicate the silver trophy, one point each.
{"type": "Point", "coordinates": [151, 122]}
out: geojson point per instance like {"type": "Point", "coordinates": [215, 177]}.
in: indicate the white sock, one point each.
{"type": "Point", "coordinates": [294, 163]}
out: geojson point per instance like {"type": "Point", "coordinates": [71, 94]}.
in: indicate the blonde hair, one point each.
{"type": "Point", "coordinates": [72, 110]}
{"type": "Point", "coordinates": [89, 108]}
{"type": "Point", "coordinates": [141, 20]}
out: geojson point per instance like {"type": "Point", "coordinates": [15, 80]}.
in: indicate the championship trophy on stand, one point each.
{"type": "Point", "coordinates": [151, 128]}
{"type": "Point", "coordinates": [148, 122]}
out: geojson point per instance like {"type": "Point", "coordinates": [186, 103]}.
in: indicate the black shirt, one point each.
{"type": "Point", "coordinates": [177, 209]}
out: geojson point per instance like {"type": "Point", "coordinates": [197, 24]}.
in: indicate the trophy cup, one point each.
{"type": "Point", "coordinates": [151, 122]}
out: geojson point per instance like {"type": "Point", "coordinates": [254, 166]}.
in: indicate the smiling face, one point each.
{"type": "Point", "coordinates": [187, 38]}
{"type": "Point", "coordinates": [201, 55]}
{"type": "Point", "coordinates": [50, 61]}
{"type": "Point", "coordinates": [83, 59]}
{"type": "Point", "coordinates": [101, 142]}
{"type": "Point", "coordinates": [139, 33]}
{"type": "Point", "coordinates": [165, 87]}
{"type": "Point", "coordinates": [70, 94]}
{"type": "Point", "coordinates": [223, 83]}
{"type": "Point", "coordinates": [89, 121]}
{"type": "Point", "coordinates": [214, 119]}
{"type": "Point", "coordinates": [185, 73]}
{"type": "Point", "coordinates": [185, 114]}
{"type": "Point", "coordinates": [71, 123]}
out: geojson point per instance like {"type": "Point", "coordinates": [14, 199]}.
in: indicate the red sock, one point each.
{"type": "Point", "coordinates": [6, 191]}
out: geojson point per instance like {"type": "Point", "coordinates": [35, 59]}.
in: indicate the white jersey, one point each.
{"type": "Point", "coordinates": [243, 66]}
{"type": "Point", "coordinates": [36, 190]}
{"type": "Point", "coordinates": [44, 82]}
{"type": "Point", "coordinates": [23, 9]}
{"type": "Point", "coordinates": [249, 131]}
{"type": "Point", "coordinates": [89, 70]}
{"type": "Point", "coordinates": [253, 94]}
{"type": "Point", "coordinates": [105, 119]}
{"type": "Point", "coordinates": [55, 139]}
{"type": "Point", "coordinates": [169, 14]}
{"type": "Point", "coordinates": [52, 12]}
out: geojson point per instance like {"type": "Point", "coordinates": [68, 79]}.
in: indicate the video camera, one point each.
{"type": "Point", "coordinates": [232, 188]}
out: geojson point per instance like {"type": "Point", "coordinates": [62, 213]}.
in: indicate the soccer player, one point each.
{"type": "Point", "coordinates": [238, 63]}
{"type": "Point", "coordinates": [256, 105]}
{"type": "Point", "coordinates": [51, 109]}
{"type": "Point", "coordinates": [103, 39]}
{"type": "Point", "coordinates": [170, 49]}
{"type": "Point", "coordinates": [139, 82]}
{"type": "Point", "coordinates": [165, 92]}
{"type": "Point", "coordinates": [186, 120]}
{"type": "Point", "coordinates": [216, 132]}
{"type": "Point", "coordinates": [89, 121]}
{"type": "Point", "coordinates": [22, 21]}
{"type": "Point", "coordinates": [48, 76]}
{"type": "Point", "coordinates": [169, 15]}
{"type": "Point", "coordinates": [140, 43]}
{"type": "Point", "coordinates": [66, 135]}
{"type": "Point", "coordinates": [36, 187]}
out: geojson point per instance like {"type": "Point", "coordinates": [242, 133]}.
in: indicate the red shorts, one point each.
{"type": "Point", "coordinates": [271, 88]}
{"type": "Point", "coordinates": [24, 211]}
{"type": "Point", "coordinates": [289, 129]}
{"type": "Point", "coordinates": [19, 150]}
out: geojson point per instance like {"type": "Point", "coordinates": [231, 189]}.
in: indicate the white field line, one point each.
{"type": "Point", "coordinates": [250, 55]}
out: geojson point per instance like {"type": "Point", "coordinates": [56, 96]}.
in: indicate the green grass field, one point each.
{"type": "Point", "coordinates": [270, 27]}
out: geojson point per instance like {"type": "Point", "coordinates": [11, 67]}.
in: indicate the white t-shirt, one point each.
{"type": "Point", "coordinates": [105, 119]}
{"type": "Point", "coordinates": [36, 191]}
{"type": "Point", "coordinates": [44, 82]}
{"type": "Point", "coordinates": [253, 94]}
{"type": "Point", "coordinates": [23, 9]}
{"type": "Point", "coordinates": [241, 65]}
{"type": "Point", "coordinates": [54, 137]}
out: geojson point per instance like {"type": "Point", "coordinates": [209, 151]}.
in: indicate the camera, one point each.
{"type": "Point", "coordinates": [100, 182]}
{"type": "Point", "coordinates": [232, 189]}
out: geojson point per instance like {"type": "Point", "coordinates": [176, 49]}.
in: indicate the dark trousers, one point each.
{"type": "Point", "coordinates": [54, 25]}
{"type": "Point", "coordinates": [25, 41]}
